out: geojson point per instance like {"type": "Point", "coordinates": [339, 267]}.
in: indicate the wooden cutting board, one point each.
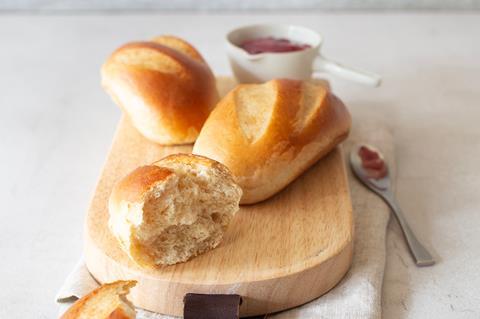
{"type": "Point", "coordinates": [277, 254]}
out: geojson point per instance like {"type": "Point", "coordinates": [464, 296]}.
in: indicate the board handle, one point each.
{"type": "Point", "coordinates": [207, 306]}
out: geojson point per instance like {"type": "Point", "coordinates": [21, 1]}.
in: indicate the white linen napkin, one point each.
{"type": "Point", "coordinates": [358, 295]}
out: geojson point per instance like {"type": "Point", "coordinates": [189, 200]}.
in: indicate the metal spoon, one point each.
{"type": "Point", "coordinates": [382, 187]}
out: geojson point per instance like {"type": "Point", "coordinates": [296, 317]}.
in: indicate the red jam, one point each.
{"type": "Point", "coordinates": [270, 44]}
{"type": "Point", "coordinates": [372, 163]}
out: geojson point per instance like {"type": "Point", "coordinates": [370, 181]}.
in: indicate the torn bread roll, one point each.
{"type": "Point", "coordinates": [268, 134]}
{"type": "Point", "coordinates": [174, 209]}
{"type": "Point", "coordinates": [164, 86]}
{"type": "Point", "coordinates": [109, 301]}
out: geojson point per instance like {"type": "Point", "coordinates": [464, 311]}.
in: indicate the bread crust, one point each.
{"type": "Point", "coordinates": [120, 288]}
{"type": "Point", "coordinates": [295, 134]}
{"type": "Point", "coordinates": [134, 186]}
{"type": "Point", "coordinates": [221, 169]}
{"type": "Point", "coordinates": [164, 86]}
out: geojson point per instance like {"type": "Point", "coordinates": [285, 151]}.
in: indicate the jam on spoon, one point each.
{"type": "Point", "coordinates": [270, 44]}
{"type": "Point", "coordinates": [372, 163]}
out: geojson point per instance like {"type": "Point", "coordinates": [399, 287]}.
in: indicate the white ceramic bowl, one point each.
{"type": "Point", "coordinates": [300, 65]}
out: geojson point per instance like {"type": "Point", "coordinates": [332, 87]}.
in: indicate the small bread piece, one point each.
{"type": "Point", "coordinates": [164, 86]}
{"type": "Point", "coordinates": [269, 134]}
{"type": "Point", "coordinates": [174, 209]}
{"type": "Point", "coordinates": [109, 301]}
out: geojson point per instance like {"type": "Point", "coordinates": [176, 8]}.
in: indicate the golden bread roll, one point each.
{"type": "Point", "coordinates": [268, 134]}
{"type": "Point", "coordinates": [174, 209]}
{"type": "Point", "coordinates": [164, 86]}
{"type": "Point", "coordinates": [109, 301]}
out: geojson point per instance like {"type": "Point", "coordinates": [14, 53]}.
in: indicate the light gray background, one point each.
{"type": "Point", "coordinates": [235, 5]}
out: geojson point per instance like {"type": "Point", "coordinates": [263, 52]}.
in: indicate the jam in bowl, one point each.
{"type": "Point", "coordinates": [272, 45]}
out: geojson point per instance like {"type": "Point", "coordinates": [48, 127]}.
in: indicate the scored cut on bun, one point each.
{"type": "Point", "coordinates": [268, 134]}
{"type": "Point", "coordinates": [164, 86]}
{"type": "Point", "coordinates": [109, 301]}
{"type": "Point", "coordinates": [174, 209]}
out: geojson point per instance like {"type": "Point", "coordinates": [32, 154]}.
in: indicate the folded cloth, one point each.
{"type": "Point", "coordinates": [358, 295]}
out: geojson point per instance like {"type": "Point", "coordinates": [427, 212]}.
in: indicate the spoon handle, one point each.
{"type": "Point", "coordinates": [420, 254]}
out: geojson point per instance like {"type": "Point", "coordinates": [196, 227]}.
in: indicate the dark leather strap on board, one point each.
{"type": "Point", "coordinates": [199, 306]}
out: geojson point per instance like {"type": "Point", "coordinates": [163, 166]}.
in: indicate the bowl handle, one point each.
{"type": "Point", "coordinates": [325, 65]}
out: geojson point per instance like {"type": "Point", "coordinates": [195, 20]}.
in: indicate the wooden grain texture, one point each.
{"type": "Point", "coordinates": [277, 254]}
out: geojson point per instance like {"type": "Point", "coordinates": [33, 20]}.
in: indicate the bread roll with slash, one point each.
{"type": "Point", "coordinates": [268, 134]}
{"type": "Point", "coordinates": [164, 86]}
{"type": "Point", "coordinates": [173, 209]}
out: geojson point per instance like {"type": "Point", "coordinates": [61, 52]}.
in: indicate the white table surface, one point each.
{"type": "Point", "coordinates": [56, 125]}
